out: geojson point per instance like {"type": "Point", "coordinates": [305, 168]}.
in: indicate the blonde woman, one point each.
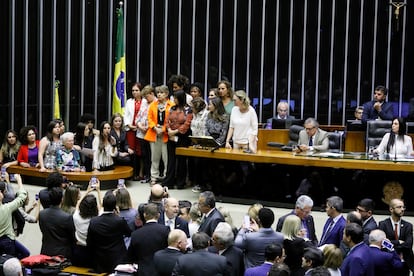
{"type": "Point", "coordinates": [294, 244]}
{"type": "Point", "coordinates": [243, 127]}
{"type": "Point", "coordinates": [333, 259]}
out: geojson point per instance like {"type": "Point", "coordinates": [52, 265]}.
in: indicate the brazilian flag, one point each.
{"type": "Point", "coordinates": [119, 92]}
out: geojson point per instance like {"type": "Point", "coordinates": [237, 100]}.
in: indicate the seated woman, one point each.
{"type": "Point", "coordinates": [125, 153]}
{"type": "Point", "coordinates": [104, 147]}
{"type": "Point", "coordinates": [396, 143]}
{"type": "Point", "coordinates": [29, 150]}
{"type": "Point", "coordinates": [9, 149]}
{"type": "Point", "coordinates": [83, 144]}
{"type": "Point", "coordinates": [67, 157]}
{"type": "Point", "coordinates": [49, 145]}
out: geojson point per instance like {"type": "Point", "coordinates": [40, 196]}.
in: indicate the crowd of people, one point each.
{"type": "Point", "coordinates": [169, 236]}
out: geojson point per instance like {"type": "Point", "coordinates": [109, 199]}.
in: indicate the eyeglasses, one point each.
{"type": "Point", "coordinates": [309, 128]}
{"type": "Point", "coordinates": [361, 210]}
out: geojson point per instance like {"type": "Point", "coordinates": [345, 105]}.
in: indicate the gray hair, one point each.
{"type": "Point", "coordinates": [65, 136]}
{"type": "Point", "coordinates": [311, 121]}
{"type": "Point", "coordinates": [12, 267]}
{"type": "Point", "coordinates": [336, 202]}
{"type": "Point", "coordinates": [304, 201]}
{"type": "Point", "coordinates": [224, 234]}
{"type": "Point", "coordinates": [376, 235]}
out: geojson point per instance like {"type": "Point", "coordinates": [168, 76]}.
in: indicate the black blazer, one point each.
{"type": "Point", "coordinates": [145, 241]}
{"type": "Point", "coordinates": [180, 223]}
{"type": "Point", "coordinates": [105, 241]}
{"type": "Point", "coordinates": [210, 223]}
{"type": "Point", "coordinates": [58, 232]}
{"type": "Point", "coordinates": [309, 221]}
{"type": "Point", "coordinates": [368, 227]}
{"type": "Point", "coordinates": [235, 258]}
{"type": "Point", "coordinates": [165, 259]}
{"type": "Point", "coordinates": [371, 114]}
{"type": "Point", "coordinates": [201, 262]}
{"type": "Point", "coordinates": [406, 235]}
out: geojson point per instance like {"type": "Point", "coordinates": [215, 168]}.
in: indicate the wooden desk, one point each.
{"type": "Point", "coordinates": [287, 158]}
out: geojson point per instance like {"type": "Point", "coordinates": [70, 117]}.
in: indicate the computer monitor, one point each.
{"type": "Point", "coordinates": [355, 125]}
{"type": "Point", "coordinates": [285, 124]}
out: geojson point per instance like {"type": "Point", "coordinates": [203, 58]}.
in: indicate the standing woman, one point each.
{"type": "Point", "coordinates": [104, 147]}
{"type": "Point", "coordinates": [157, 135]}
{"type": "Point", "coordinates": [125, 153]}
{"type": "Point", "coordinates": [396, 142]}
{"type": "Point", "coordinates": [28, 155]}
{"type": "Point", "coordinates": [218, 120]}
{"type": "Point", "coordinates": [49, 145]}
{"type": "Point", "coordinates": [132, 108]}
{"type": "Point", "coordinates": [225, 93]}
{"type": "Point", "coordinates": [196, 90]}
{"type": "Point", "coordinates": [178, 126]}
{"type": "Point", "coordinates": [243, 124]}
{"type": "Point", "coordinates": [9, 149]}
{"type": "Point", "coordinates": [83, 144]}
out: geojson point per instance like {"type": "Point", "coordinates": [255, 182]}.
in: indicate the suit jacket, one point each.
{"type": "Point", "coordinates": [357, 263]}
{"type": "Point", "coordinates": [269, 122]}
{"type": "Point", "coordinates": [370, 225]}
{"type": "Point", "coordinates": [258, 270]}
{"type": "Point", "coordinates": [209, 224]}
{"type": "Point", "coordinates": [201, 263]}
{"type": "Point", "coordinates": [105, 241]}
{"type": "Point", "coordinates": [179, 223]}
{"type": "Point", "coordinates": [320, 142]}
{"type": "Point", "coordinates": [234, 256]}
{"type": "Point", "coordinates": [254, 244]}
{"type": "Point", "coordinates": [165, 259]}
{"type": "Point", "coordinates": [309, 223]}
{"type": "Point", "coordinates": [385, 263]}
{"type": "Point", "coordinates": [370, 113]}
{"type": "Point", "coordinates": [336, 233]}
{"type": "Point", "coordinates": [145, 241]}
{"type": "Point", "coordinates": [58, 232]}
{"type": "Point", "coordinates": [406, 235]}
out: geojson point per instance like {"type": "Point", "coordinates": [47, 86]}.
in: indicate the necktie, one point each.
{"type": "Point", "coordinates": [328, 230]}
{"type": "Point", "coordinates": [396, 231]}
{"type": "Point", "coordinates": [310, 142]}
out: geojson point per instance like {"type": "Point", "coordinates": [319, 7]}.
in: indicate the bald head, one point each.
{"type": "Point", "coordinates": [157, 192]}
{"type": "Point", "coordinates": [177, 239]}
{"type": "Point", "coordinates": [376, 237]}
{"type": "Point", "coordinates": [171, 207]}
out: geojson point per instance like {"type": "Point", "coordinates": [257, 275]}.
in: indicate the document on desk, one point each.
{"type": "Point", "coordinates": [328, 154]}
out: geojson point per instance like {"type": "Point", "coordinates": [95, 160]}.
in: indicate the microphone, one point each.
{"type": "Point", "coordinates": [216, 147]}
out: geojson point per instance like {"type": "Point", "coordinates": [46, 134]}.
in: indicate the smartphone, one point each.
{"type": "Point", "coordinates": [12, 178]}
{"type": "Point", "coordinates": [3, 172]}
{"type": "Point", "coordinates": [94, 181]}
{"type": "Point", "coordinates": [388, 245]}
{"type": "Point", "coordinates": [36, 197]}
{"type": "Point", "coordinates": [247, 221]}
{"type": "Point", "coordinates": [121, 183]}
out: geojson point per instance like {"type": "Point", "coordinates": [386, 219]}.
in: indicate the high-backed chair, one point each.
{"type": "Point", "coordinates": [335, 141]}
{"type": "Point", "coordinates": [294, 134]}
{"type": "Point", "coordinates": [376, 129]}
{"type": "Point", "coordinates": [410, 127]}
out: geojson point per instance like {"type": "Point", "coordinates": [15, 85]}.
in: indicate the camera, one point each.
{"type": "Point", "coordinates": [3, 172]}
{"type": "Point", "coordinates": [388, 245]}
{"type": "Point", "coordinates": [121, 183]}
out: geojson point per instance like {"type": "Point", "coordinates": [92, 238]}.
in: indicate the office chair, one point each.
{"type": "Point", "coordinates": [335, 141]}
{"type": "Point", "coordinates": [376, 129]}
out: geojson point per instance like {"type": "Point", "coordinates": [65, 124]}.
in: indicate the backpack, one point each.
{"type": "Point", "coordinates": [18, 222]}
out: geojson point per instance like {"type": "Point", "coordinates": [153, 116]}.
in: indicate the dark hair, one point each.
{"type": "Point", "coordinates": [137, 84]}
{"type": "Point", "coordinates": [55, 196]}
{"type": "Point", "coordinates": [181, 97]}
{"type": "Point", "coordinates": [109, 201]}
{"type": "Point", "coordinates": [151, 211]}
{"type": "Point", "coordinates": [198, 104]}
{"type": "Point", "coordinates": [266, 217]}
{"type": "Point", "coordinates": [88, 207]}
{"type": "Point", "coordinates": [210, 199]}
{"type": "Point", "coordinates": [181, 80]}
{"type": "Point", "coordinates": [381, 88]}
{"type": "Point", "coordinates": [219, 112]}
{"type": "Point", "coordinates": [315, 255]}
{"type": "Point", "coordinates": [320, 271]}
{"type": "Point", "coordinates": [49, 129]}
{"type": "Point", "coordinates": [200, 240]}
{"type": "Point", "coordinates": [272, 251]}
{"type": "Point", "coordinates": [354, 231]}
{"type": "Point", "coordinates": [87, 117]}
{"type": "Point", "coordinates": [102, 137]}
{"type": "Point", "coordinates": [80, 133]}
{"type": "Point", "coordinates": [279, 269]}
{"type": "Point", "coordinates": [55, 179]}
{"type": "Point", "coordinates": [199, 86]}
{"type": "Point", "coordinates": [368, 204]}
{"type": "Point", "coordinates": [401, 133]}
{"type": "Point", "coordinates": [23, 133]}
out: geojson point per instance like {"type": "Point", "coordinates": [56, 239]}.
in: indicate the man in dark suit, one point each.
{"type": "Point", "coordinates": [147, 240]}
{"type": "Point", "coordinates": [211, 216]}
{"type": "Point", "coordinates": [312, 258]}
{"type": "Point", "coordinates": [58, 230]}
{"type": "Point", "coordinates": [170, 216]}
{"type": "Point", "coordinates": [312, 137]}
{"type": "Point", "coordinates": [165, 259]}
{"type": "Point", "coordinates": [201, 262]}
{"type": "Point", "coordinates": [386, 262]}
{"type": "Point", "coordinates": [303, 208]}
{"type": "Point", "coordinates": [400, 233]}
{"type": "Point", "coordinates": [378, 108]}
{"type": "Point", "coordinates": [282, 114]}
{"type": "Point", "coordinates": [254, 240]}
{"type": "Point", "coordinates": [105, 238]}
{"type": "Point", "coordinates": [366, 208]}
{"type": "Point", "coordinates": [273, 255]}
{"type": "Point", "coordinates": [357, 261]}
{"type": "Point", "coordinates": [223, 239]}
{"type": "Point", "coordinates": [334, 226]}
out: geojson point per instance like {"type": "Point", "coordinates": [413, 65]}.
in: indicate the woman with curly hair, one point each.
{"type": "Point", "coordinates": [28, 155]}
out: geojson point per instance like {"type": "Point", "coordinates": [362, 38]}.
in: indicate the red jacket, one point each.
{"type": "Point", "coordinates": [23, 155]}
